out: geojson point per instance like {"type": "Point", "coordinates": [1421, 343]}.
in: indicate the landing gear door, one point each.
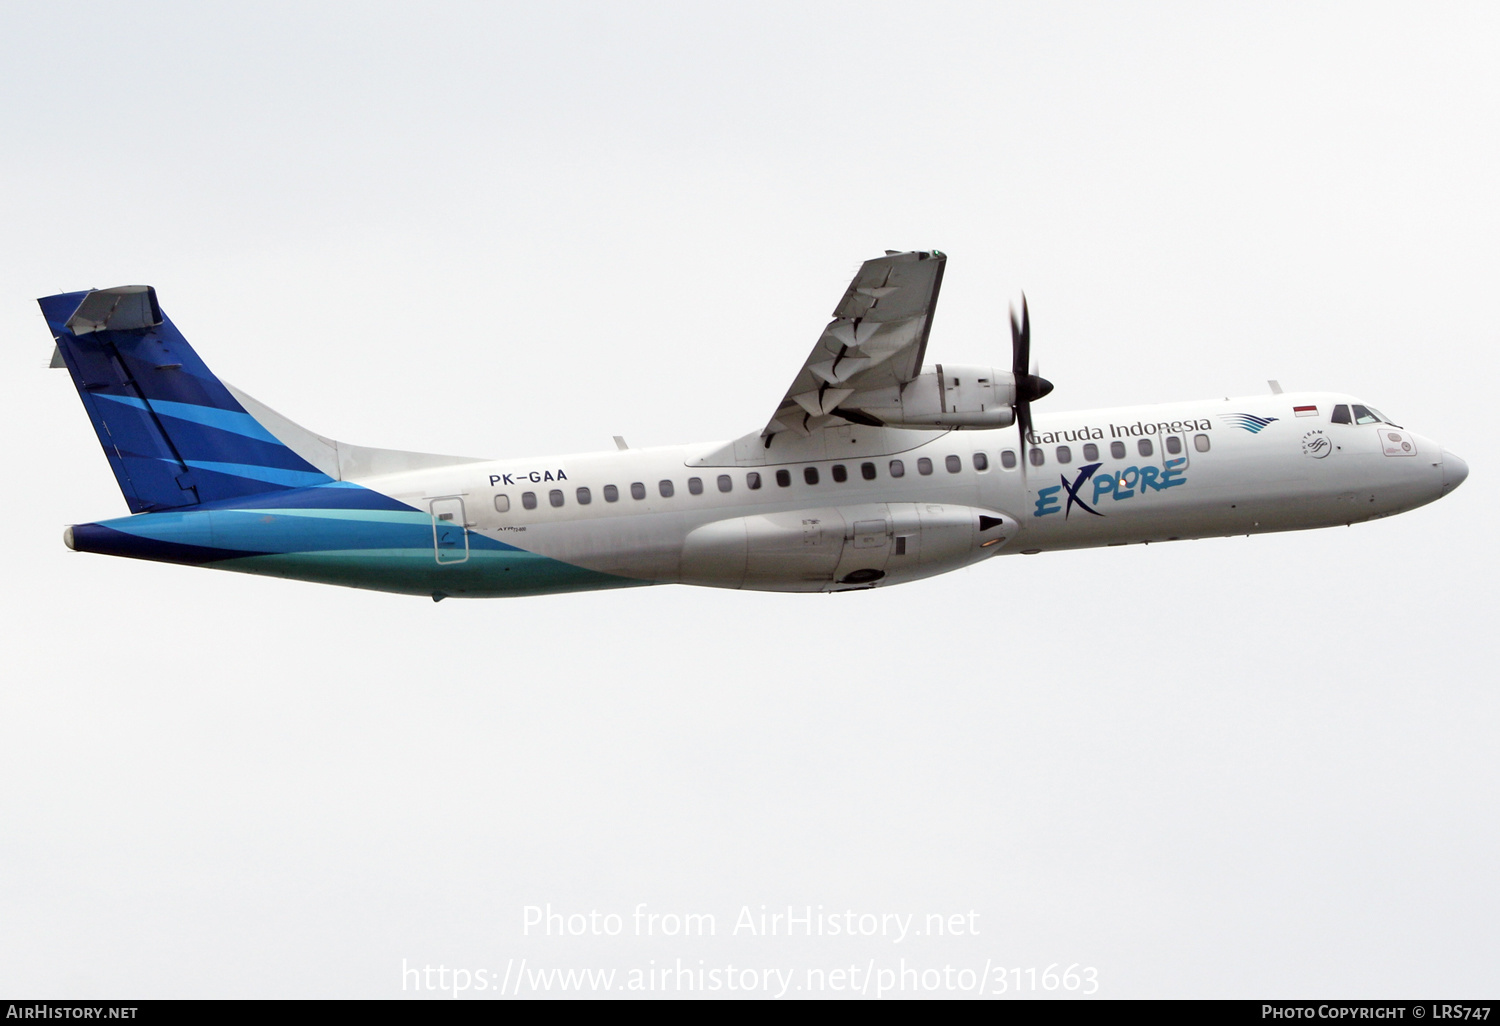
{"type": "Point", "coordinates": [450, 540]}
{"type": "Point", "coordinates": [867, 546]}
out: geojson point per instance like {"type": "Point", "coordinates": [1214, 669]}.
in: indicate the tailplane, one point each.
{"type": "Point", "coordinates": [175, 435]}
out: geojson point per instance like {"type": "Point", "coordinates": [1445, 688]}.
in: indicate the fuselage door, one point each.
{"type": "Point", "coordinates": [450, 541]}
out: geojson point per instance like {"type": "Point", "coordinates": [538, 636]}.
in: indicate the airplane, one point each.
{"type": "Point", "coordinates": [874, 470]}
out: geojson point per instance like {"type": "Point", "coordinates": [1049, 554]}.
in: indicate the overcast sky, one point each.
{"type": "Point", "coordinates": [1235, 768]}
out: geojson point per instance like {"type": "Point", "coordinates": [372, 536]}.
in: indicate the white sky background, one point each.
{"type": "Point", "coordinates": [1225, 768]}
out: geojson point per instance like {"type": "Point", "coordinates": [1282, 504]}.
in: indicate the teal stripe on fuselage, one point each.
{"type": "Point", "coordinates": [172, 528]}
{"type": "Point", "coordinates": [485, 574]}
{"type": "Point", "coordinates": [385, 550]}
{"type": "Point", "coordinates": [286, 531]}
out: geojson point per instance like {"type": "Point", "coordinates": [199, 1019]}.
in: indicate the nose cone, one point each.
{"type": "Point", "coordinates": [1454, 471]}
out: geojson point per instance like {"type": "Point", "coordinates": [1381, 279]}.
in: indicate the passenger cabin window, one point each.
{"type": "Point", "coordinates": [637, 490]}
{"type": "Point", "coordinates": [1173, 444]}
{"type": "Point", "coordinates": [1038, 457]}
{"type": "Point", "coordinates": [810, 475]}
{"type": "Point", "coordinates": [1065, 454]}
{"type": "Point", "coordinates": [840, 473]}
{"type": "Point", "coordinates": [1144, 447]}
{"type": "Point", "coordinates": [1117, 450]}
{"type": "Point", "coordinates": [898, 469]}
{"type": "Point", "coordinates": [752, 480]}
{"type": "Point", "coordinates": [1340, 415]}
{"type": "Point", "coordinates": [502, 504]}
{"type": "Point", "coordinates": [1365, 415]}
{"type": "Point", "coordinates": [695, 485]}
{"type": "Point", "coordinates": [867, 471]}
{"type": "Point", "coordinates": [666, 488]}
{"type": "Point", "coordinates": [924, 466]}
{"type": "Point", "coordinates": [528, 499]}
{"type": "Point", "coordinates": [611, 493]}
{"type": "Point", "coordinates": [953, 463]}
{"type": "Point", "coordinates": [981, 461]}
{"type": "Point", "coordinates": [1201, 443]}
{"type": "Point", "coordinates": [726, 483]}
{"type": "Point", "coordinates": [584, 497]}
{"type": "Point", "coordinates": [555, 496]}
{"type": "Point", "coordinates": [784, 478]}
{"type": "Point", "coordinates": [1090, 451]}
{"type": "Point", "coordinates": [1008, 459]}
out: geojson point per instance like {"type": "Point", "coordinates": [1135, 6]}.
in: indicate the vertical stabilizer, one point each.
{"type": "Point", "coordinates": [174, 435]}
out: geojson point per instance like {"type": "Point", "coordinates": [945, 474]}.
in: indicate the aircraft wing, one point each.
{"type": "Point", "coordinates": [877, 339]}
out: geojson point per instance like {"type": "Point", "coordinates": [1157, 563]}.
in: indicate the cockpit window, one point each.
{"type": "Point", "coordinates": [1364, 415]}
{"type": "Point", "coordinates": [1341, 414]}
{"type": "Point", "coordinates": [1383, 418]}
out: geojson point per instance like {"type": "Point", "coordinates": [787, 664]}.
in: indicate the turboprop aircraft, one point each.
{"type": "Point", "coordinates": [874, 470]}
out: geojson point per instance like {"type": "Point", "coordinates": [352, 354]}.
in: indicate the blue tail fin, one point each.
{"type": "Point", "coordinates": [174, 435]}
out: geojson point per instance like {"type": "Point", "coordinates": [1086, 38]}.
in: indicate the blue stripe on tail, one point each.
{"type": "Point", "coordinates": [174, 435]}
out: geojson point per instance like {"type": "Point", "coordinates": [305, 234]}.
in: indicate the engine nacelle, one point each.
{"type": "Point", "coordinates": [840, 548]}
{"type": "Point", "coordinates": [956, 397]}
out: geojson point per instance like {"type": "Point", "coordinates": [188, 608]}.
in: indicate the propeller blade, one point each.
{"type": "Point", "coordinates": [1020, 341]}
{"type": "Point", "coordinates": [1020, 355]}
{"type": "Point", "coordinates": [1030, 385]}
{"type": "Point", "coordinates": [1023, 424]}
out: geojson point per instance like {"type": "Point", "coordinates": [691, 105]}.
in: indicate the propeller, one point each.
{"type": "Point", "coordinates": [1029, 385]}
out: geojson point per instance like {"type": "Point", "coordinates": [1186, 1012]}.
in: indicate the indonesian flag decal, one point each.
{"type": "Point", "coordinates": [1305, 411]}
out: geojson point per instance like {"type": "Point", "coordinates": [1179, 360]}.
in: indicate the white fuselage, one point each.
{"type": "Point", "coordinates": [860, 506]}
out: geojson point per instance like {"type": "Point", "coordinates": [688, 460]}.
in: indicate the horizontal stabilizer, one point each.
{"type": "Point", "coordinates": [125, 308]}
